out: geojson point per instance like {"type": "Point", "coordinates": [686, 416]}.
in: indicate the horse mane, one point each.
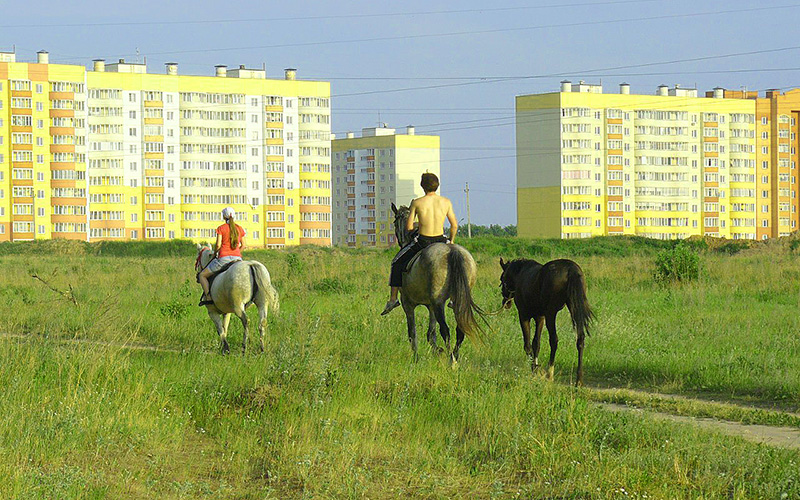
{"type": "Point", "coordinates": [401, 214]}
{"type": "Point", "coordinates": [516, 264]}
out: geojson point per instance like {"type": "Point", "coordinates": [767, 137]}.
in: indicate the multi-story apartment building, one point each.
{"type": "Point", "coordinates": [668, 165]}
{"type": "Point", "coordinates": [369, 174]}
{"type": "Point", "coordinates": [119, 153]}
{"type": "Point", "coordinates": [777, 117]}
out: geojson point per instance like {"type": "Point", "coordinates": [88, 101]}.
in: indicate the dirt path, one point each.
{"type": "Point", "coordinates": [783, 437]}
{"type": "Point", "coordinates": [715, 399]}
{"type": "Point", "coordinates": [119, 345]}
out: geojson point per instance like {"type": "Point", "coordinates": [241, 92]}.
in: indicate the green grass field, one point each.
{"type": "Point", "coordinates": [336, 409]}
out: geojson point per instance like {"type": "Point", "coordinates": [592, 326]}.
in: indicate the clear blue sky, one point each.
{"type": "Point", "coordinates": [365, 50]}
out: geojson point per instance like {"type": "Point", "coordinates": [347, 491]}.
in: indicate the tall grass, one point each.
{"type": "Point", "coordinates": [336, 409]}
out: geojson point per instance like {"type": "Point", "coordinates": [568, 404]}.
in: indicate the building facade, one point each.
{"type": "Point", "coordinates": [668, 166]}
{"type": "Point", "coordinates": [119, 153]}
{"type": "Point", "coordinates": [369, 174]}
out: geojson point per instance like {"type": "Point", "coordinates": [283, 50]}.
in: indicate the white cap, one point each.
{"type": "Point", "coordinates": [228, 213]}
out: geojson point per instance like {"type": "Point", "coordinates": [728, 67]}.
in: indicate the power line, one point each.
{"type": "Point", "coordinates": [479, 32]}
{"type": "Point", "coordinates": [676, 103]}
{"type": "Point", "coordinates": [325, 17]}
{"type": "Point", "coordinates": [564, 74]}
{"type": "Point", "coordinates": [521, 77]}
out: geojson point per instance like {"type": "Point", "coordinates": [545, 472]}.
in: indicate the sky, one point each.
{"type": "Point", "coordinates": [451, 69]}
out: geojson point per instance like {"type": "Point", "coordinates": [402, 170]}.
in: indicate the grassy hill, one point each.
{"type": "Point", "coordinates": [336, 409]}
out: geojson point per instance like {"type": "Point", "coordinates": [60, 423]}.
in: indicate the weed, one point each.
{"type": "Point", "coordinates": [175, 309]}
{"type": "Point", "coordinates": [296, 266]}
{"type": "Point", "coordinates": [334, 286]}
{"type": "Point", "coordinates": [678, 264]}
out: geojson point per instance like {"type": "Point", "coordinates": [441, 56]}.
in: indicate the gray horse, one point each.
{"type": "Point", "coordinates": [244, 283]}
{"type": "Point", "coordinates": [441, 272]}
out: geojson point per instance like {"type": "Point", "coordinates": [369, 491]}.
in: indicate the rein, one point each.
{"type": "Point", "coordinates": [200, 257]}
{"type": "Point", "coordinates": [502, 306]}
{"type": "Point", "coordinates": [495, 313]}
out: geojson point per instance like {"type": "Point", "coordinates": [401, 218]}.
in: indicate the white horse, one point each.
{"type": "Point", "coordinates": [244, 283]}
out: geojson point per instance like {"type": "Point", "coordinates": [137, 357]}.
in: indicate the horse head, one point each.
{"type": "Point", "coordinates": [400, 218]}
{"type": "Point", "coordinates": [204, 256]}
{"type": "Point", "coordinates": [506, 284]}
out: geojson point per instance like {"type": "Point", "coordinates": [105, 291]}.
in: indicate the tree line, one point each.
{"type": "Point", "coordinates": [490, 230]}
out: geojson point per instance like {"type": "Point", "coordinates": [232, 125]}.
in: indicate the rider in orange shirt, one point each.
{"type": "Point", "coordinates": [228, 248]}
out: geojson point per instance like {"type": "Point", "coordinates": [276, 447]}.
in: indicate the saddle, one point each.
{"type": "Point", "coordinates": [413, 261]}
{"type": "Point", "coordinates": [211, 280]}
{"type": "Point", "coordinates": [221, 270]}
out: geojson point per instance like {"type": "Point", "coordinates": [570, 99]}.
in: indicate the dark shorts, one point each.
{"type": "Point", "coordinates": [407, 253]}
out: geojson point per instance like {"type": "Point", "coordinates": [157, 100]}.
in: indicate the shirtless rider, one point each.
{"type": "Point", "coordinates": [431, 210]}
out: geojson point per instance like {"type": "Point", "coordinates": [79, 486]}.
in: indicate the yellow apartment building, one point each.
{"type": "Point", "coordinates": [777, 119]}
{"type": "Point", "coordinates": [120, 153]}
{"type": "Point", "coordinates": [369, 174]}
{"type": "Point", "coordinates": [667, 166]}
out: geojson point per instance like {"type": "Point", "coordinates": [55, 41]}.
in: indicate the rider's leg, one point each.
{"type": "Point", "coordinates": [203, 279]}
{"type": "Point", "coordinates": [395, 281]}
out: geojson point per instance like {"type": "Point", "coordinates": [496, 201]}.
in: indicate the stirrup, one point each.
{"type": "Point", "coordinates": [389, 306]}
{"type": "Point", "coordinates": [204, 301]}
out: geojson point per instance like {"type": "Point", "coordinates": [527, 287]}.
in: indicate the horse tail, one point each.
{"type": "Point", "coordinates": [579, 308]}
{"type": "Point", "coordinates": [262, 287]}
{"type": "Point", "coordinates": [460, 292]}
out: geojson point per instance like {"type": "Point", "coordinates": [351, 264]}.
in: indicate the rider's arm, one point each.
{"type": "Point", "coordinates": [411, 215]}
{"type": "Point", "coordinates": [218, 244]}
{"type": "Point", "coordinates": [451, 217]}
{"type": "Point", "coordinates": [241, 242]}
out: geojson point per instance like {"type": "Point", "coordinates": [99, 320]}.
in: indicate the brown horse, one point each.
{"type": "Point", "coordinates": [441, 272]}
{"type": "Point", "coordinates": [540, 292]}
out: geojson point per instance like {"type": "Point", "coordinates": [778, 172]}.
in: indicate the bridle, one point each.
{"type": "Point", "coordinates": [200, 258]}
{"type": "Point", "coordinates": [505, 288]}
{"type": "Point", "coordinates": [400, 231]}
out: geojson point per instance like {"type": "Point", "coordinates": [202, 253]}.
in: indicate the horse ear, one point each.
{"type": "Point", "coordinates": [504, 265]}
{"type": "Point", "coordinates": [199, 246]}
{"type": "Point", "coordinates": [394, 208]}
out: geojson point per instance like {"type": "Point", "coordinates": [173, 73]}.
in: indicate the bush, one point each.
{"type": "Point", "coordinates": [733, 247]}
{"type": "Point", "coordinates": [677, 264]}
{"type": "Point", "coordinates": [169, 248]}
{"type": "Point", "coordinates": [334, 286]}
{"type": "Point", "coordinates": [296, 266]}
{"type": "Point", "coordinates": [175, 309]}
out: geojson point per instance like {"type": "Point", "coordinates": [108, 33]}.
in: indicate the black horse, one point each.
{"type": "Point", "coordinates": [540, 292]}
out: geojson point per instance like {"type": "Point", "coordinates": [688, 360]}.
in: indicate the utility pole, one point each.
{"type": "Point", "coordinates": [469, 220]}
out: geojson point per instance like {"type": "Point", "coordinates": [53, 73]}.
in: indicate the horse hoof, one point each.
{"type": "Point", "coordinates": [453, 362]}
